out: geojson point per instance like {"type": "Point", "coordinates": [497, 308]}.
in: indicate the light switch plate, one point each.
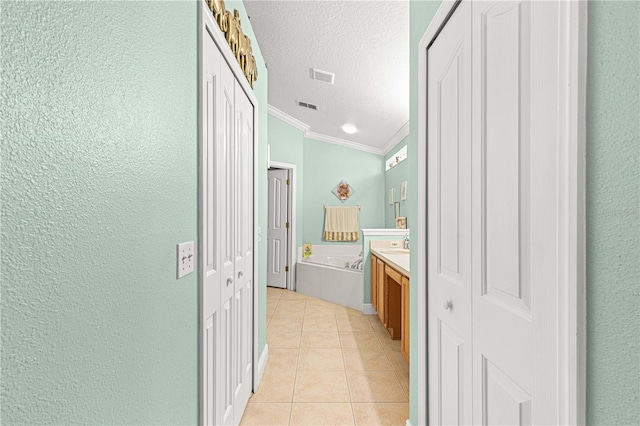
{"type": "Point", "coordinates": [186, 258]}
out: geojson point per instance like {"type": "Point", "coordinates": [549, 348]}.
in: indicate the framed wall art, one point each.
{"type": "Point", "coordinates": [343, 190]}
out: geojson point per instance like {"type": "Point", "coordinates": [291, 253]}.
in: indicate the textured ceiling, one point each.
{"type": "Point", "coordinates": [365, 43]}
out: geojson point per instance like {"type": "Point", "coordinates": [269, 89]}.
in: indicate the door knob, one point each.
{"type": "Point", "coordinates": [229, 281]}
{"type": "Point", "coordinates": [448, 305]}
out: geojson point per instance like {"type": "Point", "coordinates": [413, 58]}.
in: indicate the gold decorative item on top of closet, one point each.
{"type": "Point", "coordinates": [239, 43]}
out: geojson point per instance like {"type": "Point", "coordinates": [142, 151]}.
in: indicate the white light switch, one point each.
{"type": "Point", "coordinates": [186, 258]}
{"type": "Point", "coordinates": [259, 233]}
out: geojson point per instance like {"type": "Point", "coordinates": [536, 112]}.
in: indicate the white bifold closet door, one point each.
{"type": "Point", "coordinates": [243, 249]}
{"type": "Point", "coordinates": [495, 144]}
{"type": "Point", "coordinates": [227, 239]}
{"type": "Point", "coordinates": [211, 242]}
{"type": "Point", "coordinates": [449, 222]}
{"type": "Point", "coordinates": [226, 203]}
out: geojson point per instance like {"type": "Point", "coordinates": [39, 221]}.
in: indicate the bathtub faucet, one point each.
{"type": "Point", "coordinates": [406, 241]}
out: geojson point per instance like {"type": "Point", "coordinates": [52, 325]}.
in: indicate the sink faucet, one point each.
{"type": "Point", "coordinates": [406, 241]}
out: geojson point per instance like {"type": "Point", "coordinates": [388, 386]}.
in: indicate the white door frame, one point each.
{"type": "Point", "coordinates": [572, 300]}
{"type": "Point", "coordinates": [206, 19]}
{"type": "Point", "coordinates": [291, 212]}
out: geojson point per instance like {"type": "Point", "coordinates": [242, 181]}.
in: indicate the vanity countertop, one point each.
{"type": "Point", "coordinates": [397, 258]}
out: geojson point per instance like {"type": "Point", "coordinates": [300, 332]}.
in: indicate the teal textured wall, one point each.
{"type": "Point", "coordinates": [99, 183]}
{"type": "Point", "coordinates": [327, 164]}
{"type": "Point", "coordinates": [613, 208]}
{"type": "Point", "coordinates": [320, 166]}
{"type": "Point", "coordinates": [287, 144]}
{"type": "Point", "coordinates": [613, 214]}
{"type": "Point", "coordinates": [393, 178]}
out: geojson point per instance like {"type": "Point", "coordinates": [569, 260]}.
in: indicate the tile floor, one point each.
{"type": "Point", "coordinates": [328, 364]}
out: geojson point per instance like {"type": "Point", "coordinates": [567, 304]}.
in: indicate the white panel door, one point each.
{"type": "Point", "coordinates": [210, 217]}
{"type": "Point", "coordinates": [243, 248]}
{"type": "Point", "coordinates": [227, 252]}
{"type": "Point", "coordinates": [449, 221]}
{"type": "Point", "coordinates": [516, 150]}
{"type": "Point", "coordinates": [227, 229]}
{"type": "Point", "coordinates": [277, 229]}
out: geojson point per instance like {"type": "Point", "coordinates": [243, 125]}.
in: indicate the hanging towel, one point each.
{"type": "Point", "coordinates": [342, 223]}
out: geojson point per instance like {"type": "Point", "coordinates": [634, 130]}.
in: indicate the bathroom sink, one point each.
{"type": "Point", "coordinates": [395, 251]}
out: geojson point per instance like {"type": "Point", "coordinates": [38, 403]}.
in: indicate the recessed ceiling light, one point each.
{"type": "Point", "coordinates": [349, 128]}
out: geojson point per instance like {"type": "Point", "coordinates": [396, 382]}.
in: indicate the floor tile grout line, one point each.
{"type": "Point", "coordinates": [346, 376]}
{"type": "Point", "coordinates": [406, 392]}
{"type": "Point", "coordinates": [295, 377]}
{"type": "Point", "coordinates": [392, 367]}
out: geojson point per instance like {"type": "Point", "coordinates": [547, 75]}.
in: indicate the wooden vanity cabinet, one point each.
{"type": "Point", "coordinates": [393, 302]}
{"type": "Point", "coordinates": [382, 292]}
{"type": "Point", "coordinates": [374, 282]}
{"type": "Point", "coordinates": [390, 299]}
{"type": "Point", "coordinates": [405, 318]}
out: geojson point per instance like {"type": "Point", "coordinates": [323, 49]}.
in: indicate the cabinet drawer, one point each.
{"type": "Point", "coordinates": [393, 274]}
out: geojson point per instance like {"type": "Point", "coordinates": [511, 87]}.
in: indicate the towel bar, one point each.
{"type": "Point", "coordinates": [358, 206]}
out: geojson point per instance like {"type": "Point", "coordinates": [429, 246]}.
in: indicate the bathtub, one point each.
{"type": "Point", "coordinates": [335, 261]}
{"type": "Point", "coordinates": [330, 278]}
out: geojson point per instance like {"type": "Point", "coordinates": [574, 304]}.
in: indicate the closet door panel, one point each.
{"type": "Point", "coordinates": [506, 149]}
{"type": "Point", "coordinates": [227, 227]}
{"type": "Point", "coordinates": [210, 242]}
{"type": "Point", "coordinates": [244, 246]}
{"type": "Point", "coordinates": [449, 221]}
{"type": "Point", "coordinates": [238, 243]}
{"type": "Point", "coordinates": [516, 144]}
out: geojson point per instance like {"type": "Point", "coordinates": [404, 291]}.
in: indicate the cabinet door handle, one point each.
{"type": "Point", "coordinates": [240, 274]}
{"type": "Point", "coordinates": [448, 305]}
{"type": "Point", "coordinates": [229, 281]}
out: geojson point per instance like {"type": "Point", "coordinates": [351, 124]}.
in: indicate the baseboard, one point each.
{"type": "Point", "coordinates": [262, 364]}
{"type": "Point", "coordinates": [367, 309]}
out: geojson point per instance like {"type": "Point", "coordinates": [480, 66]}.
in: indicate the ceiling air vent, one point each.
{"type": "Point", "coordinates": [326, 76]}
{"type": "Point", "coordinates": [308, 105]}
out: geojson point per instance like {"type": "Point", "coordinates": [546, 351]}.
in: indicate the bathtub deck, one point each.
{"type": "Point", "coordinates": [336, 285]}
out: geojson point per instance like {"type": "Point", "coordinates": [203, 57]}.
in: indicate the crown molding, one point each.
{"type": "Point", "coordinates": [397, 137]}
{"type": "Point", "coordinates": [287, 118]}
{"type": "Point", "coordinates": [402, 133]}
{"type": "Point", "coordinates": [343, 142]}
